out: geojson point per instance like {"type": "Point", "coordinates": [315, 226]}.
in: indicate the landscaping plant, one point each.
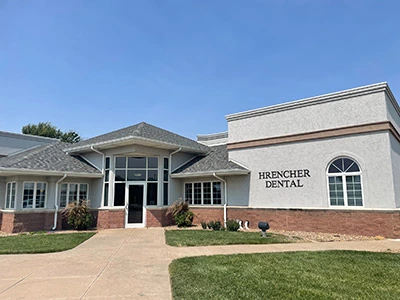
{"type": "Point", "coordinates": [214, 225]}
{"type": "Point", "coordinates": [180, 212]}
{"type": "Point", "coordinates": [232, 225]}
{"type": "Point", "coordinates": [78, 214]}
{"type": "Point", "coordinates": [204, 225]}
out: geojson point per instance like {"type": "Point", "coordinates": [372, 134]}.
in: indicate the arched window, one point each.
{"type": "Point", "coordinates": [344, 179]}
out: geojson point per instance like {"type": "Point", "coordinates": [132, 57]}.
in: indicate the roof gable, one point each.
{"type": "Point", "coordinates": [138, 133]}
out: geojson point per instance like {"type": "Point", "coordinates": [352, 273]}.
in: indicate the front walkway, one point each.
{"type": "Point", "coordinates": [125, 264]}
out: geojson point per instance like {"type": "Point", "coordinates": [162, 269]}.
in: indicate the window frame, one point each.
{"type": "Point", "coordinates": [15, 195]}
{"type": "Point", "coordinates": [344, 176]}
{"type": "Point", "coordinates": [106, 183]}
{"type": "Point", "coordinates": [211, 182]}
{"type": "Point", "coordinates": [146, 181]}
{"type": "Point", "coordinates": [68, 191]}
{"type": "Point", "coordinates": [35, 183]}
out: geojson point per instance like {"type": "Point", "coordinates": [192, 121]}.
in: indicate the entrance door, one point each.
{"type": "Point", "coordinates": [134, 208]}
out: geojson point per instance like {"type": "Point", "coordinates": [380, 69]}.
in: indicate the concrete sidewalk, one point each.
{"type": "Point", "coordinates": [125, 264]}
{"type": "Point", "coordinates": [114, 264]}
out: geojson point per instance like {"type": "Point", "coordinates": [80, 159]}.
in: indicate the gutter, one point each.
{"type": "Point", "coordinates": [55, 204]}
{"type": "Point", "coordinates": [225, 195]}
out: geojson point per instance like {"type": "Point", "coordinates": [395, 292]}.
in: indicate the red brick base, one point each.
{"type": "Point", "coordinates": [14, 222]}
{"type": "Point", "coordinates": [158, 218]}
{"type": "Point", "coordinates": [370, 223]}
{"type": "Point", "coordinates": [110, 219]}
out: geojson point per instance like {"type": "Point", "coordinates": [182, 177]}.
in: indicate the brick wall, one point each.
{"type": "Point", "coordinates": [110, 219]}
{"type": "Point", "coordinates": [158, 218]}
{"type": "Point", "coordinates": [15, 222]}
{"type": "Point", "coordinates": [370, 223]}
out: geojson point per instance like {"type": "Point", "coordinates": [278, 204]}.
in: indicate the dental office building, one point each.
{"type": "Point", "coordinates": [329, 163]}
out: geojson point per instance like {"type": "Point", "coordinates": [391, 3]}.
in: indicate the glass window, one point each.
{"type": "Point", "coordinates": [70, 192]}
{"type": "Point", "coordinates": [63, 195]}
{"type": "Point", "coordinates": [106, 194]}
{"type": "Point", "coordinates": [10, 195]}
{"type": "Point", "coordinates": [136, 175]}
{"type": "Point", "coordinates": [197, 193]}
{"type": "Point", "coordinates": [107, 165]}
{"type": "Point", "coordinates": [206, 193]}
{"type": "Point", "coordinates": [119, 194]}
{"type": "Point", "coordinates": [152, 175]}
{"type": "Point", "coordinates": [166, 163]}
{"type": "Point", "coordinates": [165, 193]}
{"type": "Point", "coordinates": [34, 195]}
{"type": "Point", "coordinates": [120, 162]}
{"type": "Point", "coordinates": [120, 175]}
{"type": "Point", "coordinates": [153, 162]}
{"type": "Point", "coordinates": [344, 182]}
{"type": "Point", "coordinates": [188, 193]}
{"type": "Point", "coordinates": [152, 193]}
{"type": "Point", "coordinates": [137, 162]}
{"type": "Point", "coordinates": [217, 198]}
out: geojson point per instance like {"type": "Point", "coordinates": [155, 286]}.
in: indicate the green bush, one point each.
{"type": "Point", "coordinates": [78, 214]}
{"type": "Point", "coordinates": [204, 225]}
{"type": "Point", "coordinates": [214, 225]}
{"type": "Point", "coordinates": [179, 210]}
{"type": "Point", "coordinates": [232, 225]}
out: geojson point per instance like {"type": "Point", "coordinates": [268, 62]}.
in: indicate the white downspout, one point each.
{"type": "Point", "coordinates": [225, 195]}
{"type": "Point", "coordinates": [56, 203]}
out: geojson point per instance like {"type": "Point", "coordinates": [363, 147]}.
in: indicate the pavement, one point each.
{"type": "Point", "coordinates": [126, 264]}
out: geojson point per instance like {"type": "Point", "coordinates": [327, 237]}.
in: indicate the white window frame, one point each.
{"type": "Point", "coordinates": [68, 190]}
{"type": "Point", "coordinates": [15, 195]}
{"type": "Point", "coordinates": [202, 192]}
{"type": "Point", "coordinates": [344, 183]}
{"type": "Point", "coordinates": [106, 182]}
{"type": "Point", "coordinates": [34, 194]}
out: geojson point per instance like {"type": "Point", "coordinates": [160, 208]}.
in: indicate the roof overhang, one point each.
{"type": "Point", "coordinates": [131, 141]}
{"type": "Point", "coordinates": [233, 172]}
{"type": "Point", "coordinates": [14, 171]}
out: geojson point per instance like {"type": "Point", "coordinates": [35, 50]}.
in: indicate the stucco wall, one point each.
{"type": "Point", "coordinates": [364, 109]}
{"type": "Point", "coordinates": [371, 151]}
{"type": "Point", "coordinates": [395, 156]}
{"type": "Point", "coordinates": [2, 192]}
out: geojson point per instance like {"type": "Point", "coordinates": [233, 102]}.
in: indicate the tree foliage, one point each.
{"type": "Point", "coordinates": [47, 129]}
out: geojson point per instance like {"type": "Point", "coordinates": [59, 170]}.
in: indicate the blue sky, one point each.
{"type": "Point", "coordinates": [95, 66]}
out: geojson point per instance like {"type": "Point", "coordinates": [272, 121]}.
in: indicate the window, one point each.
{"type": "Point", "coordinates": [203, 193]}
{"type": "Point", "coordinates": [165, 179]}
{"type": "Point", "coordinates": [71, 192]}
{"type": "Point", "coordinates": [128, 169]}
{"type": "Point", "coordinates": [34, 195]}
{"type": "Point", "coordinates": [344, 181]}
{"type": "Point", "coordinates": [10, 195]}
{"type": "Point", "coordinates": [106, 180]}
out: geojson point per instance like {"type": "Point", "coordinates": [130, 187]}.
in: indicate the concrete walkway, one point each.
{"type": "Point", "coordinates": [125, 264]}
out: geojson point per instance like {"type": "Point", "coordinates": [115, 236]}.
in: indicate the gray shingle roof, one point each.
{"type": "Point", "coordinates": [48, 158]}
{"type": "Point", "coordinates": [142, 131]}
{"type": "Point", "coordinates": [216, 160]}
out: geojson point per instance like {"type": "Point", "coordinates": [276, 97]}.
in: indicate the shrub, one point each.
{"type": "Point", "coordinates": [78, 215]}
{"type": "Point", "coordinates": [204, 225]}
{"type": "Point", "coordinates": [232, 225]}
{"type": "Point", "coordinates": [179, 210]}
{"type": "Point", "coordinates": [214, 225]}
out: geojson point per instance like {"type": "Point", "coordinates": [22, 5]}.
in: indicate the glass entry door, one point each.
{"type": "Point", "coordinates": [134, 208]}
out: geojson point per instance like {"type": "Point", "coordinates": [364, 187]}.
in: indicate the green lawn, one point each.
{"type": "Point", "coordinates": [209, 237]}
{"type": "Point", "coordinates": [42, 242]}
{"type": "Point", "coordinates": [295, 275]}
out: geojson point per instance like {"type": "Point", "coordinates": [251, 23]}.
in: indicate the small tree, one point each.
{"type": "Point", "coordinates": [180, 212]}
{"type": "Point", "coordinates": [47, 129]}
{"type": "Point", "coordinates": [78, 215]}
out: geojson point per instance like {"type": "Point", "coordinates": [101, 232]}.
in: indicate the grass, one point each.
{"type": "Point", "coordinates": [209, 237]}
{"type": "Point", "coordinates": [42, 242]}
{"type": "Point", "coordinates": [295, 275]}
